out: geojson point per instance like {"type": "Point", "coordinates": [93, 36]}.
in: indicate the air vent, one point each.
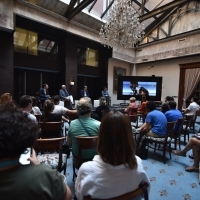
{"type": "Point", "coordinates": [182, 40]}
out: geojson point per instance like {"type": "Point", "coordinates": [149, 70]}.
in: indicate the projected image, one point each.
{"type": "Point", "coordinates": [137, 88]}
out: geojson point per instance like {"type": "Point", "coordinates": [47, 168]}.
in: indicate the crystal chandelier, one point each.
{"type": "Point", "coordinates": [123, 29]}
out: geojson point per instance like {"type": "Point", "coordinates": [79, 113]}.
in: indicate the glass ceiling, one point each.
{"type": "Point", "coordinates": [97, 9]}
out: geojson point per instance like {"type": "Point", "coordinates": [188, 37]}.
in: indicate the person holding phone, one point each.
{"type": "Point", "coordinates": [32, 181]}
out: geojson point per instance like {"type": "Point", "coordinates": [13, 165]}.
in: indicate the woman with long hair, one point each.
{"type": "Point", "coordinates": [116, 170]}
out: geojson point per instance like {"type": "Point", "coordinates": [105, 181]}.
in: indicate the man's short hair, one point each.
{"type": "Point", "coordinates": [44, 85]}
{"type": "Point", "coordinates": [172, 104]}
{"type": "Point", "coordinates": [25, 100]}
{"type": "Point", "coordinates": [84, 106]}
{"type": "Point", "coordinates": [56, 99]}
{"type": "Point", "coordinates": [151, 105]}
{"type": "Point", "coordinates": [195, 99]}
{"type": "Point", "coordinates": [169, 98]}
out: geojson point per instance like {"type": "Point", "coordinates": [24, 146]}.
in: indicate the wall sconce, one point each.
{"type": "Point", "coordinates": [71, 82]}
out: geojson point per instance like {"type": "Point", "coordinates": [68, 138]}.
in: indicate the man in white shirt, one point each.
{"type": "Point", "coordinates": [193, 107]}
{"type": "Point", "coordinates": [26, 106]}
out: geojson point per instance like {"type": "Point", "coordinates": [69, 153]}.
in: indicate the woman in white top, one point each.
{"type": "Point", "coordinates": [35, 109]}
{"type": "Point", "coordinates": [116, 170]}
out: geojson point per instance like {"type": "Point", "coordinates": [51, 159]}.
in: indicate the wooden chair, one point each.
{"type": "Point", "coordinates": [51, 129]}
{"type": "Point", "coordinates": [177, 133]}
{"type": "Point", "coordinates": [141, 190]}
{"type": "Point", "coordinates": [83, 144]}
{"type": "Point", "coordinates": [186, 126]}
{"type": "Point", "coordinates": [72, 116]}
{"type": "Point", "coordinates": [192, 125]}
{"type": "Point", "coordinates": [165, 141]}
{"type": "Point", "coordinates": [56, 160]}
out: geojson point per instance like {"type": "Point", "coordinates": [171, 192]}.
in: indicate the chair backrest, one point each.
{"type": "Point", "coordinates": [51, 129]}
{"type": "Point", "coordinates": [85, 143]}
{"type": "Point", "coordinates": [188, 121]}
{"type": "Point", "coordinates": [49, 144]}
{"type": "Point", "coordinates": [142, 189]}
{"type": "Point", "coordinates": [170, 128]}
{"type": "Point", "coordinates": [178, 127]}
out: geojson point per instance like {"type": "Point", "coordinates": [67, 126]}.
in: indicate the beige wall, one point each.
{"type": "Point", "coordinates": [168, 69]}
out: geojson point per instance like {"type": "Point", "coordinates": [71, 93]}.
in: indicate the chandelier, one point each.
{"type": "Point", "coordinates": [123, 29]}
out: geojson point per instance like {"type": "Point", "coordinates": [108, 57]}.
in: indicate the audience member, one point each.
{"type": "Point", "coordinates": [48, 115]}
{"type": "Point", "coordinates": [64, 94]}
{"type": "Point", "coordinates": [26, 106]}
{"type": "Point", "coordinates": [76, 128]}
{"type": "Point", "coordinates": [101, 108]}
{"type": "Point", "coordinates": [84, 92]}
{"type": "Point", "coordinates": [193, 144]}
{"type": "Point", "coordinates": [143, 107]}
{"type": "Point", "coordinates": [61, 109]}
{"type": "Point", "coordinates": [5, 98]}
{"type": "Point", "coordinates": [165, 107]}
{"type": "Point", "coordinates": [32, 181]}
{"type": "Point", "coordinates": [173, 114]}
{"type": "Point", "coordinates": [131, 105]}
{"type": "Point", "coordinates": [105, 94]}
{"type": "Point", "coordinates": [156, 122]}
{"type": "Point", "coordinates": [116, 170]}
{"type": "Point", "coordinates": [35, 109]}
{"type": "Point", "coordinates": [43, 93]}
{"type": "Point", "coordinates": [193, 107]}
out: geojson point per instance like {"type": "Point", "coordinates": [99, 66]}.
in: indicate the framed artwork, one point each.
{"type": "Point", "coordinates": [118, 71]}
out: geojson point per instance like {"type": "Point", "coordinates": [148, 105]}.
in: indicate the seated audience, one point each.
{"type": "Point", "coordinates": [44, 93]}
{"type": "Point", "coordinates": [49, 115]}
{"type": "Point", "coordinates": [131, 105]}
{"type": "Point", "coordinates": [84, 92]}
{"type": "Point", "coordinates": [32, 181]}
{"type": "Point", "coordinates": [194, 144]}
{"type": "Point", "coordinates": [105, 94]}
{"type": "Point", "coordinates": [64, 94]}
{"type": "Point", "coordinates": [116, 170]}
{"type": "Point", "coordinates": [101, 108]}
{"type": "Point", "coordinates": [173, 114]}
{"type": "Point", "coordinates": [61, 109]}
{"type": "Point", "coordinates": [84, 109]}
{"type": "Point", "coordinates": [156, 122]}
{"type": "Point", "coordinates": [26, 106]}
{"type": "Point", "coordinates": [193, 107]}
{"type": "Point", "coordinates": [164, 107]}
{"type": "Point", "coordinates": [143, 107]}
{"type": "Point", "coordinates": [35, 109]}
{"type": "Point", "coordinates": [5, 98]}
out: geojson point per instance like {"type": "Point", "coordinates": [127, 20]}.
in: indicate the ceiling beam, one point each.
{"type": "Point", "coordinates": [139, 4]}
{"type": "Point", "coordinates": [92, 5]}
{"type": "Point", "coordinates": [162, 9]}
{"type": "Point", "coordinates": [157, 22]}
{"type": "Point", "coordinates": [111, 3]}
{"type": "Point", "coordinates": [70, 7]}
{"type": "Point", "coordinates": [78, 8]}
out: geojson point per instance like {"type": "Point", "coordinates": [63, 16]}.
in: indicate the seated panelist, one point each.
{"type": "Point", "coordinates": [64, 94]}
{"type": "Point", "coordinates": [43, 93]}
{"type": "Point", "coordinates": [105, 94]}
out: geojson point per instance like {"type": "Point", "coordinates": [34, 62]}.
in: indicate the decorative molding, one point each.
{"type": "Point", "coordinates": [170, 54]}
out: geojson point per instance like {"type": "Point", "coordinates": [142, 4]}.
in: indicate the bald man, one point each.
{"type": "Point", "coordinates": [64, 94]}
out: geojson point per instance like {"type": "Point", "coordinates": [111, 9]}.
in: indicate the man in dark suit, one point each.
{"type": "Point", "coordinates": [84, 92]}
{"type": "Point", "coordinates": [43, 93]}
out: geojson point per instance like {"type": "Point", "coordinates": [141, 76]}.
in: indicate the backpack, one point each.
{"type": "Point", "coordinates": [141, 146]}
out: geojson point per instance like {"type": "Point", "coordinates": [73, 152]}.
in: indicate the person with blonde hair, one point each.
{"type": "Point", "coordinates": [116, 170]}
{"type": "Point", "coordinates": [132, 104]}
{"type": "Point", "coordinates": [5, 98]}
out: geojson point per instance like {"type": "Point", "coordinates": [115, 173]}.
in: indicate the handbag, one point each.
{"type": "Point", "coordinates": [142, 146]}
